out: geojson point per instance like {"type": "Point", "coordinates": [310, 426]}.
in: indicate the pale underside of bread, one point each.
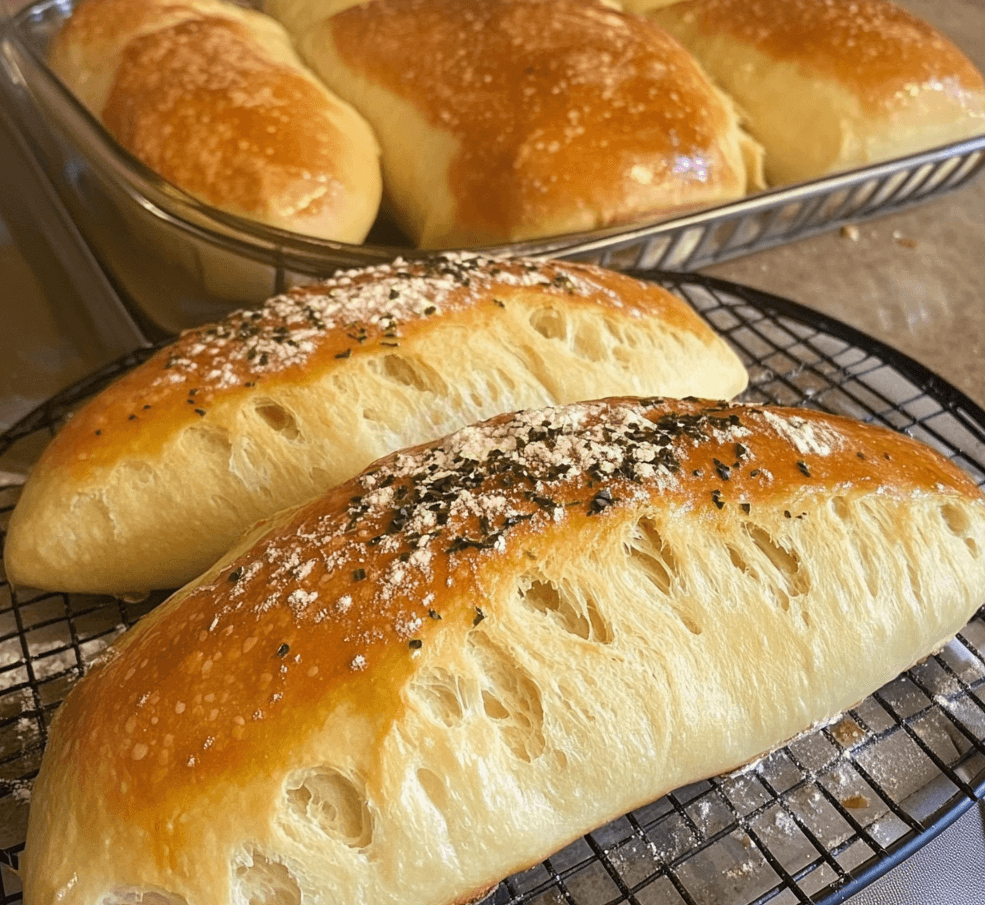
{"type": "Point", "coordinates": [515, 119]}
{"type": "Point", "coordinates": [813, 130]}
{"type": "Point", "coordinates": [827, 87]}
{"type": "Point", "coordinates": [213, 98]}
{"type": "Point", "coordinates": [478, 650]}
{"type": "Point", "coordinates": [297, 15]}
{"type": "Point", "coordinates": [155, 479]}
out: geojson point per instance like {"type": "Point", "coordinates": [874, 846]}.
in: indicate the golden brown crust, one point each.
{"type": "Point", "coordinates": [153, 480]}
{"type": "Point", "coordinates": [316, 628]}
{"type": "Point", "coordinates": [321, 327]}
{"type": "Point", "coordinates": [827, 86]}
{"type": "Point", "coordinates": [873, 46]}
{"type": "Point", "coordinates": [173, 79]}
{"type": "Point", "coordinates": [212, 98]}
{"type": "Point", "coordinates": [563, 115]}
{"type": "Point", "coordinates": [336, 593]}
{"type": "Point", "coordinates": [106, 26]}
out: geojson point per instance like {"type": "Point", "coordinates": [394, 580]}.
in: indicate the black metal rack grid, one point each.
{"type": "Point", "coordinates": [810, 823]}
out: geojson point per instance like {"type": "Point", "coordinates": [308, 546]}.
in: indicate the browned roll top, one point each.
{"type": "Point", "coordinates": [874, 46]}
{"type": "Point", "coordinates": [827, 86]}
{"type": "Point", "coordinates": [345, 590]}
{"type": "Point", "coordinates": [564, 114]}
{"type": "Point", "coordinates": [212, 97]}
{"type": "Point", "coordinates": [172, 80]}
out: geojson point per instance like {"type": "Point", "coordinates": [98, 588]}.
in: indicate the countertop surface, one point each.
{"type": "Point", "coordinates": [915, 280]}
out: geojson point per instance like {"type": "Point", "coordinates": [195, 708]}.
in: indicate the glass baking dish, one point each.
{"type": "Point", "coordinates": [177, 262]}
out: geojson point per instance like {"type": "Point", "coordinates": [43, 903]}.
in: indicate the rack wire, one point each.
{"type": "Point", "coordinates": [813, 822]}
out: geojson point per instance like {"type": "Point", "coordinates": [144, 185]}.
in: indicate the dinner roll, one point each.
{"type": "Point", "coordinates": [214, 99]}
{"type": "Point", "coordinates": [478, 650]}
{"type": "Point", "coordinates": [827, 85]}
{"type": "Point", "coordinates": [152, 481]}
{"type": "Point", "coordinates": [515, 119]}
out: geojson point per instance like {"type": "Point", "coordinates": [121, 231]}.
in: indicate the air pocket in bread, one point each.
{"type": "Point", "coordinates": [152, 481]}
{"type": "Point", "coordinates": [477, 650]}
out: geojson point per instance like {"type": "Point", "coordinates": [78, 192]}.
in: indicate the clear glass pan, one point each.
{"type": "Point", "coordinates": [177, 262]}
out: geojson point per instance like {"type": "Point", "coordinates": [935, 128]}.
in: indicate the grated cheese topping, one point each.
{"type": "Point", "coordinates": [373, 564]}
{"type": "Point", "coordinates": [357, 308]}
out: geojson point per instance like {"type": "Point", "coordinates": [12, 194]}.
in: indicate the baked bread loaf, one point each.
{"type": "Point", "coordinates": [297, 15]}
{"type": "Point", "coordinates": [516, 119]}
{"type": "Point", "coordinates": [152, 481]}
{"type": "Point", "coordinates": [479, 649]}
{"type": "Point", "coordinates": [827, 86]}
{"type": "Point", "coordinates": [213, 98]}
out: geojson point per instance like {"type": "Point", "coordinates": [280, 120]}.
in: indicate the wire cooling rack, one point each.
{"type": "Point", "coordinates": [811, 823]}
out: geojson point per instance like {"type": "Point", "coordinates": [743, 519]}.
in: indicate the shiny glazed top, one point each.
{"type": "Point", "coordinates": [873, 46]}
{"type": "Point", "coordinates": [544, 99]}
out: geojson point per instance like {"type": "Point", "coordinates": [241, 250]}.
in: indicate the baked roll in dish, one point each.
{"type": "Point", "coordinates": [479, 649]}
{"type": "Point", "coordinates": [152, 481]}
{"type": "Point", "coordinates": [516, 119]}
{"type": "Point", "coordinates": [827, 86]}
{"type": "Point", "coordinates": [214, 99]}
{"type": "Point", "coordinates": [296, 15]}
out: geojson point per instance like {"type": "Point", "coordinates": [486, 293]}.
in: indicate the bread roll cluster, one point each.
{"type": "Point", "coordinates": [441, 615]}
{"type": "Point", "coordinates": [507, 120]}
{"type": "Point", "coordinates": [484, 123]}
